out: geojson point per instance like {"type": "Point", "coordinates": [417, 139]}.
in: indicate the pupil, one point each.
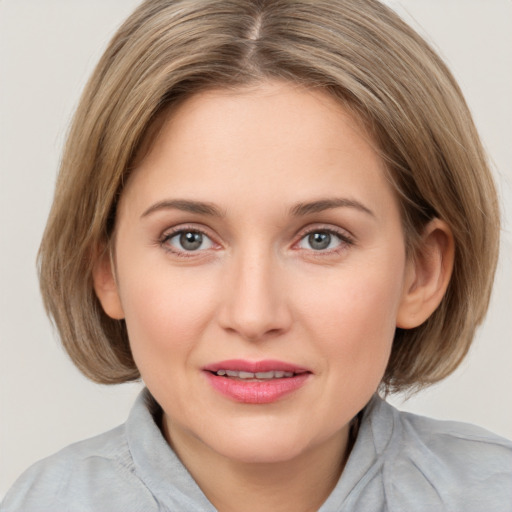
{"type": "Point", "coordinates": [191, 241]}
{"type": "Point", "coordinates": [319, 241]}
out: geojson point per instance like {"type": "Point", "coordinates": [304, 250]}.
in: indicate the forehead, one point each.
{"type": "Point", "coordinates": [275, 138]}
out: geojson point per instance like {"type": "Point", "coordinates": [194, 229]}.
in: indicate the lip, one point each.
{"type": "Point", "coordinates": [266, 365]}
{"type": "Point", "coordinates": [256, 391]}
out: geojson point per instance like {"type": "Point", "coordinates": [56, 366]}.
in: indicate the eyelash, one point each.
{"type": "Point", "coordinates": [169, 235]}
{"type": "Point", "coordinates": [345, 240]}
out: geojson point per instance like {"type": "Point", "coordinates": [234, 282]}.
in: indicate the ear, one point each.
{"type": "Point", "coordinates": [105, 286]}
{"type": "Point", "coordinates": [428, 274]}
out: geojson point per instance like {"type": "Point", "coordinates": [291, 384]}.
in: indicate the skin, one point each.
{"type": "Point", "coordinates": [257, 288]}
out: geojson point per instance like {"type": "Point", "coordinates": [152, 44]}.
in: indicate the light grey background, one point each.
{"type": "Point", "coordinates": [47, 50]}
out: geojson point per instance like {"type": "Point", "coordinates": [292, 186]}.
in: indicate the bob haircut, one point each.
{"type": "Point", "coordinates": [359, 52]}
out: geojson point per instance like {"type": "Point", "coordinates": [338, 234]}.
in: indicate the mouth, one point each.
{"type": "Point", "coordinates": [255, 370]}
{"type": "Point", "coordinates": [257, 376]}
{"type": "Point", "coordinates": [260, 382]}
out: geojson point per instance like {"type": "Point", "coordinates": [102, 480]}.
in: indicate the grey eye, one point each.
{"type": "Point", "coordinates": [189, 241]}
{"type": "Point", "coordinates": [319, 241]}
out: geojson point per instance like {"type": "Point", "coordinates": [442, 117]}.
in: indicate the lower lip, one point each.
{"type": "Point", "coordinates": [256, 392]}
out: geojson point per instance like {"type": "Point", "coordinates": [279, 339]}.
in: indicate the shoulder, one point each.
{"type": "Point", "coordinates": [86, 474]}
{"type": "Point", "coordinates": [458, 465]}
{"type": "Point", "coordinates": [465, 450]}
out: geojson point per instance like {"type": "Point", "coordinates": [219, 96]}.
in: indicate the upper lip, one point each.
{"type": "Point", "coordinates": [266, 365]}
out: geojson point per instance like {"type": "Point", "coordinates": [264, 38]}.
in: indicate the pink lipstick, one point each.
{"type": "Point", "coordinates": [255, 382]}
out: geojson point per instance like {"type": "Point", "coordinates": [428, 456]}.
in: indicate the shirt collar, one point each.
{"type": "Point", "coordinates": [169, 481]}
{"type": "Point", "coordinates": [156, 463]}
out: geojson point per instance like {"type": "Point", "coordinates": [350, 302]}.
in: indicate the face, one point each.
{"type": "Point", "coordinates": [260, 267]}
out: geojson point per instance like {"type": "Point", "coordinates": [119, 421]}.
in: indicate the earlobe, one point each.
{"type": "Point", "coordinates": [105, 286]}
{"type": "Point", "coordinates": [427, 276]}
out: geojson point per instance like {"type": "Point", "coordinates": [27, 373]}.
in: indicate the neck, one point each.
{"type": "Point", "coordinates": [301, 484]}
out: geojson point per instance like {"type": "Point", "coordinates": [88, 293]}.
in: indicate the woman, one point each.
{"type": "Point", "coordinates": [268, 211]}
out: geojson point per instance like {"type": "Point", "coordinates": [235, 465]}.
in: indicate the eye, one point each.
{"type": "Point", "coordinates": [323, 240]}
{"type": "Point", "coordinates": [187, 241]}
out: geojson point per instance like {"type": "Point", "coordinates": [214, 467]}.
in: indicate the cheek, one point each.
{"type": "Point", "coordinates": [354, 317]}
{"type": "Point", "coordinates": [166, 312]}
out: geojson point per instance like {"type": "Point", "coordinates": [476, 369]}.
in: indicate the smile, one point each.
{"type": "Point", "coordinates": [254, 376]}
{"type": "Point", "coordinates": [260, 382]}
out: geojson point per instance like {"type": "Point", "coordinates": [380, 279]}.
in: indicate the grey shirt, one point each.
{"type": "Point", "coordinates": [400, 462]}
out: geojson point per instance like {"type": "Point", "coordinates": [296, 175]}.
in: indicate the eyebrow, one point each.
{"type": "Point", "coordinates": [299, 210]}
{"type": "Point", "coordinates": [185, 205]}
{"type": "Point", "coordinates": [321, 205]}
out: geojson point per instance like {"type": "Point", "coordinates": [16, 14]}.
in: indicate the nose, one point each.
{"type": "Point", "coordinates": [255, 305]}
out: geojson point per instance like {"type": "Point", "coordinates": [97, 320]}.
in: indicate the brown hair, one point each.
{"type": "Point", "coordinates": [358, 51]}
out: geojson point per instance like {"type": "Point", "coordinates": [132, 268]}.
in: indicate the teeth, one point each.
{"type": "Point", "coordinates": [265, 375]}
{"type": "Point", "coordinates": [258, 375]}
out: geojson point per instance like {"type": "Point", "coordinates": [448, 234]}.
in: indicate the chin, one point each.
{"type": "Point", "coordinates": [265, 445]}
{"type": "Point", "coordinates": [262, 452]}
